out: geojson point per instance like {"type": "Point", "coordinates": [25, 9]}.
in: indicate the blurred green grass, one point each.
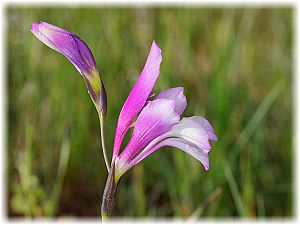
{"type": "Point", "coordinates": [236, 67]}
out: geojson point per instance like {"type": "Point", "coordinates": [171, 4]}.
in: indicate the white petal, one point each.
{"type": "Point", "coordinates": [206, 125]}
{"type": "Point", "coordinates": [189, 148]}
{"type": "Point", "coordinates": [191, 131]}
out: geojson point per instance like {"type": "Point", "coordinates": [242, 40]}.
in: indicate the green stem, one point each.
{"type": "Point", "coordinates": [103, 139]}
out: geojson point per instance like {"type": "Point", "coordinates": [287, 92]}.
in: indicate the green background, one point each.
{"type": "Point", "coordinates": [236, 67]}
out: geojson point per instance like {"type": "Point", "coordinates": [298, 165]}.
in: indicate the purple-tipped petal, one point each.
{"type": "Point", "coordinates": [177, 95]}
{"type": "Point", "coordinates": [79, 54]}
{"type": "Point", "coordinates": [156, 118]}
{"type": "Point", "coordinates": [67, 43]}
{"type": "Point", "coordinates": [138, 96]}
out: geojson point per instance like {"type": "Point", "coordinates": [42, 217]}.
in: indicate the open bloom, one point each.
{"type": "Point", "coordinates": [158, 123]}
{"type": "Point", "coordinates": [79, 54]}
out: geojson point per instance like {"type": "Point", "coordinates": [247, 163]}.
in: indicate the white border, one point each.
{"type": "Point", "coordinates": [219, 3]}
{"type": "Point", "coordinates": [3, 117]}
{"type": "Point", "coordinates": [296, 94]}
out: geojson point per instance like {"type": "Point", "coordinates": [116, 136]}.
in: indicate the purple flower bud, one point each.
{"type": "Point", "coordinates": [79, 54]}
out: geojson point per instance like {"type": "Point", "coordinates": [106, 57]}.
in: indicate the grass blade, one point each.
{"type": "Point", "coordinates": [234, 189]}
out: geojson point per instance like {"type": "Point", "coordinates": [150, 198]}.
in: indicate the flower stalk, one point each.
{"type": "Point", "coordinates": [103, 139]}
{"type": "Point", "coordinates": [109, 194]}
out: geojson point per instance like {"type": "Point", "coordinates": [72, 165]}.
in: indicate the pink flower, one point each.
{"type": "Point", "coordinates": [158, 123]}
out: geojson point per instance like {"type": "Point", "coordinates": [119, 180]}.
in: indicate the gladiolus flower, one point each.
{"type": "Point", "coordinates": [79, 54]}
{"type": "Point", "coordinates": [158, 123]}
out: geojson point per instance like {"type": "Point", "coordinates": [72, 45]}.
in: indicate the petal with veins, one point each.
{"type": "Point", "coordinates": [184, 145]}
{"type": "Point", "coordinates": [155, 119]}
{"type": "Point", "coordinates": [139, 95]}
{"type": "Point", "coordinates": [191, 134]}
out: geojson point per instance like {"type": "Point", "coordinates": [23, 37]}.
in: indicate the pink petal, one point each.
{"type": "Point", "coordinates": [206, 125]}
{"type": "Point", "coordinates": [138, 96]}
{"type": "Point", "coordinates": [177, 95]}
{"type": "Point", "coordinates": [191, 134]}
{"type": "Point", "coordinates": [156, 118]}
